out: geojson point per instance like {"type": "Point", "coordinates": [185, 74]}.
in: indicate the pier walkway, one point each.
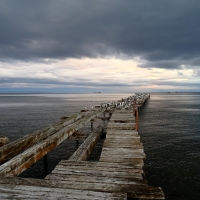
{"type": "Point", "coordinates": [118, 174]}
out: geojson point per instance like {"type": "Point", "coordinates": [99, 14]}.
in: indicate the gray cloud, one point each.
{"type": "Point", "coordinates": [165, 64]}
{"type": "Point", "coordinates": [84, 82]}
{"type": "Point", "coordinates": [162, 32]}
{"type": "Point", "coordinates": [45, 82]}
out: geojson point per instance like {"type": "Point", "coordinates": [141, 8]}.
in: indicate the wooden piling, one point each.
{"type": "Point", "coordinates": [46, 164]}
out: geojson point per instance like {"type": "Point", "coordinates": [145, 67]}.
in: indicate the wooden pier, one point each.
{"type": "Point", "coordinates": [118, 174]}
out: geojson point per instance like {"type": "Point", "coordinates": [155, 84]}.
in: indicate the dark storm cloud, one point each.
{"type": "Point", "coordinates": [154, 30]}
{"type": "Point", "coordinates": [165, 64]}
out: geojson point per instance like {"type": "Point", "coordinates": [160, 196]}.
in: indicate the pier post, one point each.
{"type": "Point", "coordinates": [77, 144]}
{"type": "Point", "coordinates": [92, 125]}
{"type": "Point", "coordinates": [134, 109]}
{"type": "Point", "coordinates": [46, 164]}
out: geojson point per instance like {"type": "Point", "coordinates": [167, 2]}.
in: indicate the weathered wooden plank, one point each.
{"type": "Point", "coordinates": [99, 169]}
{"type": "Point", "coordinates": [122, 145]}
{"type": "Point", "coordinates": [113, 136]}
{"type": "Point", "coordinates": [121, 132]}
{"type": "Point", "coordinates": [132, 161]}
{"type": "Point", "coordinates": [123, 137]}
{"type": "Point", "coordinates": [105, 167]}
{"type": "Point", "coordinates": [84, 151]}
{"type": "Point", "coordinates": [84, 178]}
{"type": "Point", "coordinates": [97, 165]}
{"type": "Point", "coordinates": [129, 151]}
{"type": "Point", "coordinates": [118, 157]}
{"type": "Point", "coordinates": [24, 160]}
{"type": "Point", "coordinates": [8, 191]}
{"type": "Point", "coordinates": [123, 140]}
{"type": "Point", "coordinates": [125, 151]}
{"type": "Point", "coordinates": [12, 149]}
{"type": "Point", "coordinates": [121, 126]}
{"type": "Point", "coordinates": [129, 174]}
{"type": "Point", "coordinates": [132, 190]}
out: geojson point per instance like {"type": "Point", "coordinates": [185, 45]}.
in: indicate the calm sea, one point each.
{"type": "Point", "coordinates": [169, 126]}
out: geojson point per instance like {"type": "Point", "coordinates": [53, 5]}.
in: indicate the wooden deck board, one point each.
{"type": "Point", "coordinates": [110, 167]}
{"type": "Point", "coordinates": [95, 170]}
{"type": "Point", "coordinates": [113, 188]}
{"type": "Point", "coordinates": [122, 132]}
{"type": "Point", "coordinates": [133, 141]}
{"type": "Point", "coordinates": [122, 145]}
{"type": "Point", "coordinates": [121, 126]}
{"type": "Point", "coordinates": [138, 163]}
{"type": "Point", "coordinates": [8, 191]}
{"type": "Point", "coordinates": [136, 173]}
{"type": "Point", "coordinates": [113, 136]}
{"type": "Point", "coordinates": [84, 178]}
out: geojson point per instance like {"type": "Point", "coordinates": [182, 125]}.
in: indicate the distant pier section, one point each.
{"type": "Point", "coordinates": [117, 175]}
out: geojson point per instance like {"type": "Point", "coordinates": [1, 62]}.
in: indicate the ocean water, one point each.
{"type": "Point", "coordinates": [169, 126]}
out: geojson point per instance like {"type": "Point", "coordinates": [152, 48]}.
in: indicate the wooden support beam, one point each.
{"type": "Point", "coordinates": [12, 149]}
{"type": "Point", "coordinates": [24, 160]}
{"type": "Point", "coordinates": [84, 151]}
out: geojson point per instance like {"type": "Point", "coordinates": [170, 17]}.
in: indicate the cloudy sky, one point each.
{"type": "Point", "coordinates": [99, 45]}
